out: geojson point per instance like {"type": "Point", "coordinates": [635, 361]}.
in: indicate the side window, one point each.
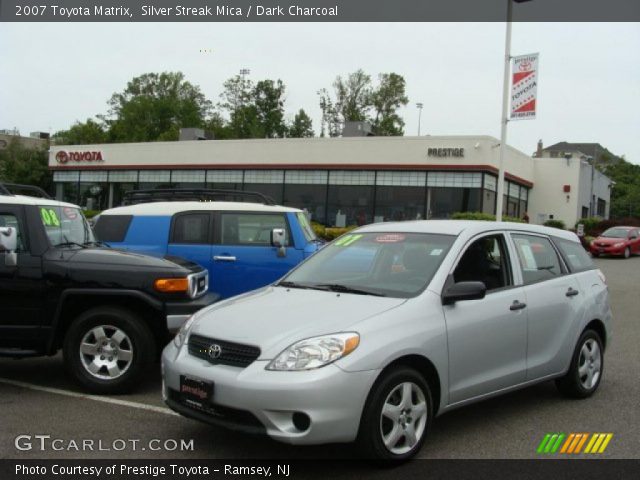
{"type": "Point", "coordinates": [251, 228]}
{"type": "Point", "coordinates": [485, 260]}
{"type": "Point", "coordinates": [634, 234]}
{"type": "Point", "coordinates": [575, 255]}
{"type": "Point", "coordinates": [112, 228]}
{"type": "Point", "coordinates": [191, 228]}
{"type": "Point", "coordinates": [538, 259]}
{"type": "Point", "coordinates": [10, 220]}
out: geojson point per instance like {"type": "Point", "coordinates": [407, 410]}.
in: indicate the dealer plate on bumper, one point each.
{"type": "Point", "coordinates": [196, 392]}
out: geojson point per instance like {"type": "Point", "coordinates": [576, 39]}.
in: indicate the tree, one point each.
{"type": "Point", "coordinates": [154, 107]}
{"type": "Point", "coordinates": [255, 111]}
{"type": "Point", "coordinates": [354, 99]}
{"type": "Point", "coordinates": [387, 99]}
{"type": "Point", "coordinates": [29, 166]}
{"type": "Point", "coordinates": [625, 194]}
{"type": "Point", "coordinates": [82, 134]}
{"type": "Point", "coordinates": [302, 126]}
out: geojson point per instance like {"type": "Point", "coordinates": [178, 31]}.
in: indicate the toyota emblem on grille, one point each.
{"type": "Point", "coordinates": [214, 351]}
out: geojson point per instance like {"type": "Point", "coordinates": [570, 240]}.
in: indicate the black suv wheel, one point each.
{"type": "Point", "coordinates": [107, 348]}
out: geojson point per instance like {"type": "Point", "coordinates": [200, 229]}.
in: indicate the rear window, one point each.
{"type": "Point", "coordinates": [112, 228]}
{"type": "Point", "coordinates": [191, 228]}
{"type": "Point", "coordinates": [576, 257]}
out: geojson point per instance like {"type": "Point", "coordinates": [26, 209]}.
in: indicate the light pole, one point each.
{"type": "Point", "coordinates": [419, 105]}
{"type": "Point", "coordinates": [505, 109]}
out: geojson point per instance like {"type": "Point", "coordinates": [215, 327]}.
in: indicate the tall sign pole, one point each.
{"type": "Point", "coordinates": [505, 112]}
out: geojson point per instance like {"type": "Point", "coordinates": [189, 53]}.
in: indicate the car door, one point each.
{"type": "Point", "coordinates": [191, 237]}
{"type": "Point", "coordinates": [555, 304]}
{"type": "Point", "coordinates": [21, 287]}
{"type": "Point", "coordinates": [487, 338]}
{"type": "Point", "coordinates": [243, 257]}
{"type": "Point", "coordinates": [634, 241]}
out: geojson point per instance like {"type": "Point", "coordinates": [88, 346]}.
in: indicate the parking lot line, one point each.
{"type": "Point", "coordinates": [96, 398]}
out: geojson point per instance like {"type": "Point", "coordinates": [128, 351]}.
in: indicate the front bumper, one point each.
{"type": "Point", "coordinates": [607, 250]}
{"type": "Point", "coordinates": [178, 312]}
{"type": "Point", "coordinates": [256, 400]}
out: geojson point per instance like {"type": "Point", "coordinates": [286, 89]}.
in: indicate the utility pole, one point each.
{"type": "Point", "coordinates": [592, 202]}
{"type": "Point", "coordinates": [419, 105]}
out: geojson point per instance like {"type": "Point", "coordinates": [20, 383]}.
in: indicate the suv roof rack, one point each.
{"type": "Point", "coordinates": [135, 197]}
{"type": "Point", "coordinates": [20, 189]}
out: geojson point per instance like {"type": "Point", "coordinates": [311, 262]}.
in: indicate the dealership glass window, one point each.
{"type": "Point", "coordinates": [454, 179]}
{"type": "Point", "coordinates": [67, 185]}
{"type": "Point", "coordinates": [267, 182]}
{"type": "Point", "coordinates": [443, 202]}
{"type": "Point", "coordinates": [311, 197]}
{"type": "Point", "coordinates": [349, 205]}
{"type": "Point", "coordinates": [122, 181]}
{"type": "Point", "coordinates": [188, 178]}
{"type": "Point", "coordinates": [273, 190]}
{"type": "Point", "coordinates": [93, 193]}
{"type": "Point", "coordinates": [399, 203]}
{"type": "Point", "coordinates": [224, 177]}
{"type": "Point", "coordinates": [489, 202]}
{"type": "Point", "coordinates": [150, 179]}
{"type": "Point", "coordinates": [602, 207]}
{"type": "Point", "coordinates": [119, 189]}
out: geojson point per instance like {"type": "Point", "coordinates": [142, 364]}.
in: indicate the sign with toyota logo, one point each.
{"type": "Point", "coordinates": [63, 157]}
{"type": "Point", "coordinates": [524, 86]}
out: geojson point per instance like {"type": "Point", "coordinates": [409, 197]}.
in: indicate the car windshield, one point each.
{"type": "Point", "coordinates": [381, 264]}
{"type": "Point", "coordinates": [616, 233]}
{"type": "Point", "coordinates": [66, 226]}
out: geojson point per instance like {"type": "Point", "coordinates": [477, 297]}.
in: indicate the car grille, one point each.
{"type": "Point", "coordinates": [230, 353]}
{"type": "Point", "coordinates": [224, 415]}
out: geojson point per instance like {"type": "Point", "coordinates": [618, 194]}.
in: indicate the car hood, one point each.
{"type": "Point", "coordinates": [275, 317]}
{"type": "Point", "coordinates": [610, 240]}
{"type": "Point", "coordinates": [112, 258]}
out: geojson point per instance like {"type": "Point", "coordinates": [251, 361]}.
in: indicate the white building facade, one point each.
{"type": "Point", "coordinates": [340, 181]}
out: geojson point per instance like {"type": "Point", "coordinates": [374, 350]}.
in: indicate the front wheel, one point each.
{"type": "Point", "coordinates": [106, 349]}
{"type": "Point", "coordinates": [587, 366]}
{"type": "Point", "coordinates": [627, 252]}
{"type": "Point", "coordinates": [396, 417]}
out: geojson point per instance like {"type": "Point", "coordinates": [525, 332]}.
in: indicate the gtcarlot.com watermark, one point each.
{"type": "Point", "coordinates": [44, 442]}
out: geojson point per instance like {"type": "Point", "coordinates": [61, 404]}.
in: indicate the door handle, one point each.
{"type": "Point", "coordinates": [517, 305]}
{"type": "Point", "coordinates": [571, 292]}
{"type": "Point", "coordinates": [224, 258]}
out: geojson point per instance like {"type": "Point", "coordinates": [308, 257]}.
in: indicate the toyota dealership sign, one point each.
{"type": "Point", "coordinates": [524, 86]}
{"type": "Point", "coordinates": [63, 157]}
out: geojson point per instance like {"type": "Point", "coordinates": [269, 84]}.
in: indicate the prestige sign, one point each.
{"type": "Point", "coordinates": [64, 157]}
{"type": "Point", "coordinates": [445, 152]}
{"type": "Point", "coordinates": [524, 87]}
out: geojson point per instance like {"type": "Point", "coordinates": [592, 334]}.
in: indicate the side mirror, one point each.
{"type": "Point", "coordinates": [8, 245]}
{"type": "Point", "coordinates": [278, 237]}
{"type": "Point", "coordinates": [464, 291]}
{"type": "Point", "coordinates": [8, 239]}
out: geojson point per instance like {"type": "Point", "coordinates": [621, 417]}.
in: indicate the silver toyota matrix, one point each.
{"type": "Point", "coordinates": [391, 325]}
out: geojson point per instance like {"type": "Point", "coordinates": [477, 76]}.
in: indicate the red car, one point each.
{"type": "Point", "coordinates": [623, 241]}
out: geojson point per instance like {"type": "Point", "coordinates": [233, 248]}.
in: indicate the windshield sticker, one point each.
{"type": "Point", "coordinates": [348, 240]}
{"type": "Point", "coordinates": [436, 251]}
{"type": "Point", "coordinates": [390, 238]}
{"type": "Point", "coordinates": [49, 217]}
{"type": "Point", "coordinates": [70, 213]}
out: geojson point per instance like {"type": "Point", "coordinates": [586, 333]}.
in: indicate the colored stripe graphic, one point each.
{"type": "Point", "coordinates": [574, 443]}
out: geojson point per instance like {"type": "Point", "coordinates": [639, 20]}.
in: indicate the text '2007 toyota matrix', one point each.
{"type": "Point", "coordinates": [391, 325]}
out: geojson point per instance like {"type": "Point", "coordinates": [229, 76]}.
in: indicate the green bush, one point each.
{"type": "Point", "coordinates": [91, 213]}
{"type": "Point", "coordinates": [594, 226]}
{"type": "Point", "coordinates": [555, 224]}
{"type": "Point", "coordinates": [483, 216]}
{"type": "Point", "coordinates": [590, 225]}
{"type": "Point", "coordinates": [330, 233]}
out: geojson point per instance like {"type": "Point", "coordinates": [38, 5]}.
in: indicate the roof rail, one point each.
{"type": "Point", "coordinates": [134, 197]}
{"type": "Point", "coordinates": [20, 189]}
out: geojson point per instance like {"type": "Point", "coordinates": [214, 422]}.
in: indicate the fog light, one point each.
{"type": "Point", "coordinates": [301, 421]}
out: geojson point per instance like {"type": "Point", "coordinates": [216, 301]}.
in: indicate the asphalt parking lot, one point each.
{"type": "Point", "coordinates": [37, 399]}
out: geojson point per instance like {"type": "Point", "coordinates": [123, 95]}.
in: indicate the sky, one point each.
{"type": "Point", "coordinates": [54, 74]}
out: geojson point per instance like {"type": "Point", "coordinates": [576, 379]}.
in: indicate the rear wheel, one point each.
{"type": "Point", "coordinates": [106, 349]}
{"type": "Point", "coordinates": [587, 366]}
{"type": "Point", "coordinates": [397, 416]}
{"type": "Point", "coordinates": [627, 252]}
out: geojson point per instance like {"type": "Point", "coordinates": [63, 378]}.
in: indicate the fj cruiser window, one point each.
{"type": "Point", "coordinates": [65, 225]}
{"type": "Point", "coordinates": [251, 228]}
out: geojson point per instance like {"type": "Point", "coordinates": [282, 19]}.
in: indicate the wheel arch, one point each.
{"type": "Point", "coordinates": [597, 326]}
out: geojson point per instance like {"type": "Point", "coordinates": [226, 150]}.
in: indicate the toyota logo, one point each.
{"type": "Point", "coordinates": [214, 351]}
{"type": "Point", "coordinates": [62, 157]}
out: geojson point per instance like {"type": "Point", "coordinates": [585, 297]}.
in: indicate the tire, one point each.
{"type": "Point", "coordinates": [627, 252]}
{"type": "Point", "coordinates": [586, 369]}
{"type": "Point", "coordinates": [391, 390]}
{"type": "Point", "coordinates": [106, 349]}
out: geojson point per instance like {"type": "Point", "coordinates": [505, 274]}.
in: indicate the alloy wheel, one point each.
{"type": "Point", "coordinates": [106, 352]}
{"type": "Point", "coordinates": [403, 418]}
{"type": "Point", "coordinates": [589, 364]}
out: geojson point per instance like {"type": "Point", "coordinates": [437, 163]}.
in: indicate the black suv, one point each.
{"type": "Point", "coordinates": [110, 311]}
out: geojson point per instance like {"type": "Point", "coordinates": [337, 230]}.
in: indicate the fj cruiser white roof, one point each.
{"type": "Point", "coordinates": [170, 208]}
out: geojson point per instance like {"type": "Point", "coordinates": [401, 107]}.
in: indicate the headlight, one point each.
{"type": "Point", "coordinates": [619, 244]}
{"type": "Point", "coordinates": [315, 352]}
{"type": "Point", "coordinates": [178, 340]}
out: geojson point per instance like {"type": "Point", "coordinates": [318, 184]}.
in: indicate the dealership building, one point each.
{"type": "Point", "coordinates": [339, 181]}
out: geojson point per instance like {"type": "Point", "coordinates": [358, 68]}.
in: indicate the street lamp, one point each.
{"type": "Point", "coordinates": [419, 105]}
{"type": "Point", "coordinates": [505, 109]}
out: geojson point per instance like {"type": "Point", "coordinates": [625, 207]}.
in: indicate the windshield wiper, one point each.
{"type": "Point", "coordinates": [70, 244]}
{"type": "Point", "coordinates": [97, 243]}
{"type": "Point", "coordinates": [336, 287]}
{"type": "Point", "coordinates": [290, 284]}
